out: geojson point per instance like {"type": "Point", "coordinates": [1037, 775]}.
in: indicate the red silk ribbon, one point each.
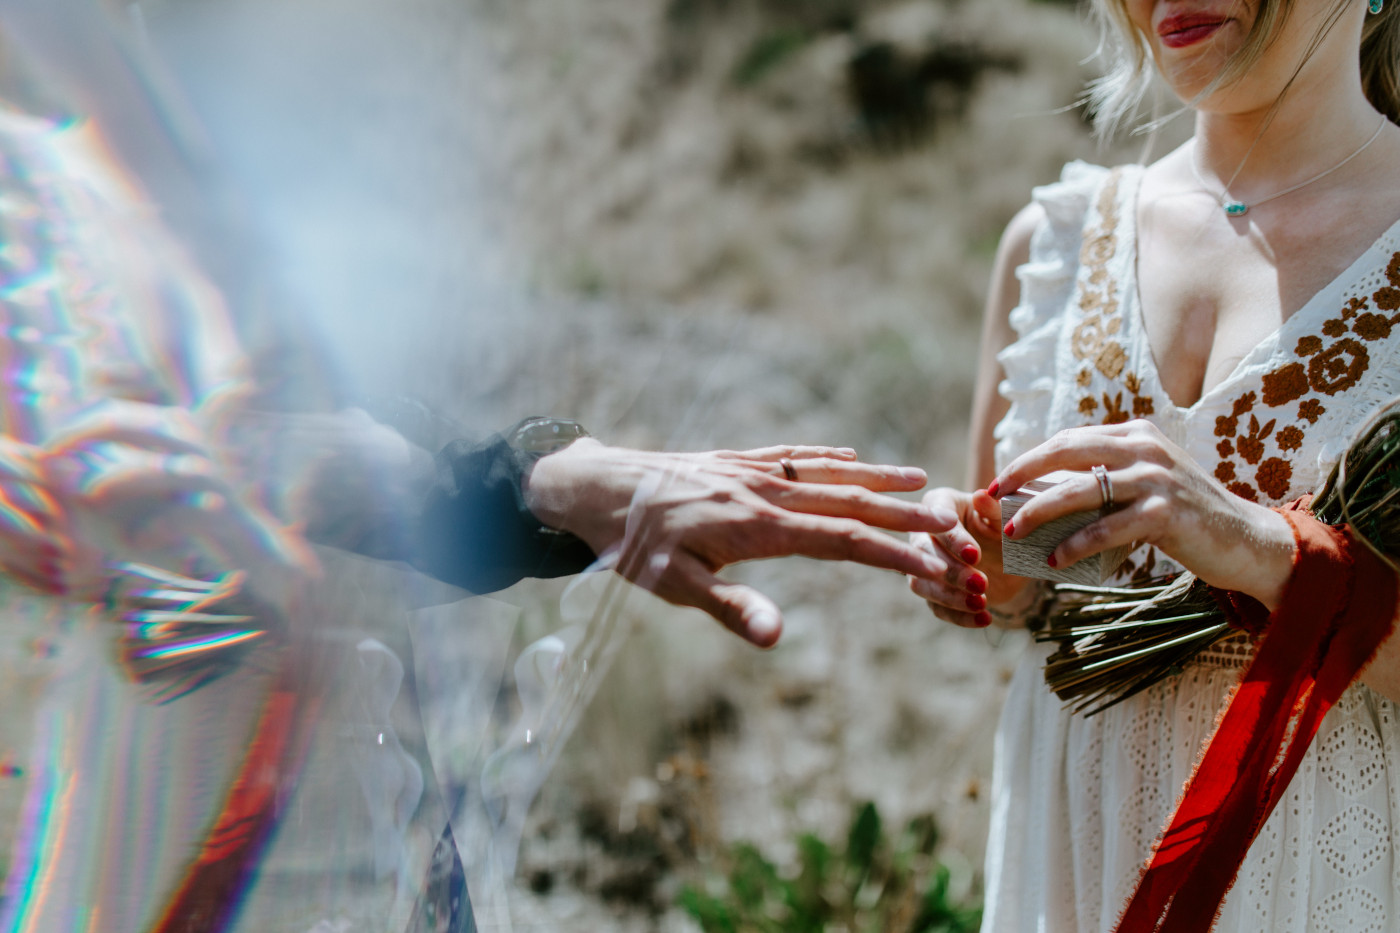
{"type": "Point", "coordinates": [1337, 609]}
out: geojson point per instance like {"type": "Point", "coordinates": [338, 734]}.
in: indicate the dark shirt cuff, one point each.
{"type": "Point", "coordinates": [474, 530]}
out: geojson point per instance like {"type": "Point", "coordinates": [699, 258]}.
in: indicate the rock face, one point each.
{"type": "Point", "coordinates": [689, 224]}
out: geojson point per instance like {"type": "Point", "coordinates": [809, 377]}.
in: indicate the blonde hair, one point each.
{"type": "Point", "coordinates": [1115, 98]}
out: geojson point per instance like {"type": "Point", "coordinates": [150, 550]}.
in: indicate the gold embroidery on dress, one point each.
{"type": "Point", "coordinates": [1094, 339]}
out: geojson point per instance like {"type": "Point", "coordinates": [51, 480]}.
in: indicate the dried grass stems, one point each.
{"type": "Point", "coordinates": [1115, 642]}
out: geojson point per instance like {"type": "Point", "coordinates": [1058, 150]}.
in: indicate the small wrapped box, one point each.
{"type": "Point", "coordinates": [1026, 556]}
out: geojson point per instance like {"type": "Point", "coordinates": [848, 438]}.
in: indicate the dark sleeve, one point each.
{"type": "Point", "coordinates": [473, 529]}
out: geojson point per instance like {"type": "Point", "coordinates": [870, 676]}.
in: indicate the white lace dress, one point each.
{"type": "Point", "coordinates": [1077, 802]}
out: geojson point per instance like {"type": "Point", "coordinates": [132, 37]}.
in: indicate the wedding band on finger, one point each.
{"type": "Point", "coordinates": [1105, 484]}
{"type": "Point", "coordinates": [789, 470]}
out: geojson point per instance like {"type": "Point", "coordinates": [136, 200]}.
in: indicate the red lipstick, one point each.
{"type": "Point", "coordinates": [1177, 32]}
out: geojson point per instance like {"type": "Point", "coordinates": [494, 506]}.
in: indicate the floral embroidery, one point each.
{"type": "Point", "coordinates": [1388, 298]}
{"type": "Point", "coordinates": [1327, 363]}
{"type": "Point", "coordinates": [1286, 383]}
{"type": "Point", "coordinates": [1244, 491]}
{"type": "Point", "coordinates": [1339, 367]}
{"type": "Point", "coordinates": [1273, 477]}
{"type": "Point", "coordinates": [1290, 438]}
{"type": "Point", "coordinates": [1093, 341]}
{"type": "Point", "coordinates": [1251, 446]}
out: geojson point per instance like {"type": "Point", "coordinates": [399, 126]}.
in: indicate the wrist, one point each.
{"type": "Point", "coordinates": [1270, 566]}
{"type": "Point", "coordinates": [550, 487]}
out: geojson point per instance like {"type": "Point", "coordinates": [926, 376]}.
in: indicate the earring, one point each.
{"type": "Point", "coordinates": [1377, 5]}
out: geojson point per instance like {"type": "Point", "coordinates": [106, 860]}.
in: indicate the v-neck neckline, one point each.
{"type": "Point", "coordinates": [1132, 293]}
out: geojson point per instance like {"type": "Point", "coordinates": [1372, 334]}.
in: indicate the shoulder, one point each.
{"type": "Point", "coordinates": [1015, 248]}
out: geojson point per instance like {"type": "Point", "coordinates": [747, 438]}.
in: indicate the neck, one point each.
{"type": "Point", "coordinates": [1256, 151]}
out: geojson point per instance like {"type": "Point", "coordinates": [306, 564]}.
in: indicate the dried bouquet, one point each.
{"type": "Point", "coordinates": [1115, 642]}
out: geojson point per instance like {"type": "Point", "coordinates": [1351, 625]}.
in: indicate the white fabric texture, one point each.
{"type": "Point", "coordinates": [1077, 801]}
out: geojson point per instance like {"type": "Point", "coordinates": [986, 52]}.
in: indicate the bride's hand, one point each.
{"type": "Point", "coordinates": [1163, 498]}
{"type": "Point", "coordinates": [969, 554]}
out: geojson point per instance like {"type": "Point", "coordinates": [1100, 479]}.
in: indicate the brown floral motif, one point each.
{"type": "Point", "coordinates": [1088, 405]}
{"type": "Point", "coordinates": [1087, 339]}
{"type": "Point", "coordinates": [1354, 306]}
{"type": "Point", "coordinates": [1339, 367]}
{"type": "Point", "coordinates": [1372, 326]}
{"type": "Point", "coordinates": [1226, 425]}
{"type": "Point", "coordinates": [1285, 384]}
{"type": "Point", "coordinates": [1099, 250]}
{"type": "Point", "coordinates": [1111, 360]}
{"type": "Point", "coordinates": [1084, 377]}
{"type": "Point", "coordinates": [1310, 410]}
{"type": "Point", "coordinates": [1251, 446]}
{"type": "Point", "coordinates": [1142, 406]}
{"type": "Point", "coordinates": [1244, 404]}
{"type": "Point", "coordinates": [1290, 438]}
{"type": "Point", "coordinates": [1132, 383]}
{"type": "Point", "coordinates": [1334, 328]}
{"type": "Point", "coordinates": [1273, 477]}
{"type": "Point", "coordinates": [1388, 298]}
{"type": "Point", "coordinates": [1244, 491]}
{"type": "Point", "coordinates": [1225, 449]}
{"type": "Point", "coordinates": [1308, 345]}
{"type": "Point", "coordinates": [1225, 471]}
{"type": "Point", "coordinates": [1113, 409]}
{"type": "Point", "coordinates": [1143, 573]}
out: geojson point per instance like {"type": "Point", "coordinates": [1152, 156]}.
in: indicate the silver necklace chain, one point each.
{"type": "Point", "coordinates": [1237, 208]}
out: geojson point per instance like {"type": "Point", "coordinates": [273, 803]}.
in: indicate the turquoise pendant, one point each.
{"type": "Point", "coordinates": [1236, 208]}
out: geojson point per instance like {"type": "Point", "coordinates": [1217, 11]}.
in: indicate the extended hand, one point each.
{"type": "Point", "coordinates": [1162, 498]}
{"type": "Point", "coordinates": [968, 560]}
{"type": "Point", "coordinates": [673, 520]}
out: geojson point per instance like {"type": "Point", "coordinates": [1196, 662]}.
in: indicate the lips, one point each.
{"type": "Point", "coordinates": [1185, 29]}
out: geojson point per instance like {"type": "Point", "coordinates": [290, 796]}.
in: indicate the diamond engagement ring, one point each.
{"type": "Point", "coordinates": [1105, 484]}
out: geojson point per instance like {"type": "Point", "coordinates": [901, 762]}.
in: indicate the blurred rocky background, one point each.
{"type": "Point", "coordinates": [688, 224]}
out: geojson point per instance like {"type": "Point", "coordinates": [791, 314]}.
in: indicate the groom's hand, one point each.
{"type": "Point", "coordinates": [671, 521]}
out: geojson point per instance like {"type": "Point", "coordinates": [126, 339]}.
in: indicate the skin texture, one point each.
{"type": "Point", "coordinates": [671, 521]}
{"type": "Point", "coordinates": [1209, 286]}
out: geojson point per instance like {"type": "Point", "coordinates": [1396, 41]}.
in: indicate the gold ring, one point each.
{"type": "Point", "coordinates": [789, 470]}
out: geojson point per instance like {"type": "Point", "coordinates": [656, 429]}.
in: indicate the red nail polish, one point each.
{"type": "Point", "coordinates": [1009, 530]}
{"type": "Point", "coordinates": [1051, 561]}
{"type": "Point", "coordinates": [976, 603]}
{"type": "Point", "coordinates": [969, 555]}
{"type": "Point", "coordinates": [982, 619]}
{"type": "Point", "coordinates": [977, 584]}
{"type": "Point", "coordinates": [993, 489]}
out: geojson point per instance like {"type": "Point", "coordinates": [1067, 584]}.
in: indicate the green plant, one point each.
{"type": "Point", "coordinates": [874, 885]}
{"type": "Point", "coordinates": [766, 53]}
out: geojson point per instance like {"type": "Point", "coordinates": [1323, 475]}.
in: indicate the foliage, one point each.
{"type": "Point", "coordinates": [874, 885]}
{"type": "Point", "coordinates": [767, 52]}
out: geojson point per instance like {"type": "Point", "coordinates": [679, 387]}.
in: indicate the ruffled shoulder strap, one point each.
{"type": "Point", "coordinates": [1047, 285]}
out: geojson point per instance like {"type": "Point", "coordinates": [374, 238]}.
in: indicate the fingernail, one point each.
{"type": "Point", "coordinates": [1009, 530]}
{"type": "Point", "coordinates": [763, 624]}
{"type": "Point", "coordinates": [969, 555]}
{"type": "Point", "coordinates": [993, 489]}
{"type": "Point", "coordinates": [912, 474]}
{"type": "Point", "coordinates": [846, 451]}
{"type": "Point", "coordinates": [1051, 561]}
{"type": "Point", "coordinates": [977, 584]}
{"type": "Point", "coordinates": [976, 603]}
{"type": "Point", "coordinates": [982, 619]}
